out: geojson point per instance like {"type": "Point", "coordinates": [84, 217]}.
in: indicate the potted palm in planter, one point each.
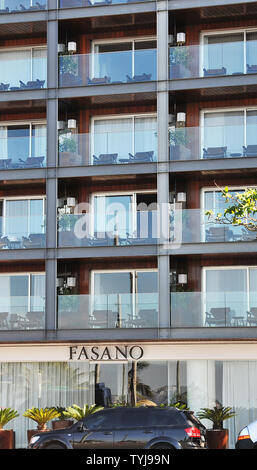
{"type": "Point", "coordinates": [77, 412]}
{"type": "Point", "coordinates": [7, 435]}
{"type": "Point", "coordinates": [61, 422]}
{"type": "Point", "coordinates": [217, 437]}
{"type": "Point", "coordinates": [41, 416]}
{"type": "Point", "coordinates": [179, 61]}
{"type": "Point", "coordinates": [68, 69]}
{"type": "Point", "coordinates": [68, 149]}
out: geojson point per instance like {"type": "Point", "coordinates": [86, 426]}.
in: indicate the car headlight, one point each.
{"type": "Point", "coordinates": [34, 439]}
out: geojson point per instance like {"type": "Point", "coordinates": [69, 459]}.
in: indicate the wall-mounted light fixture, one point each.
{"type": "Point", "coordinates": [72, 47]}
{"type": "Point", "coordinates": [182, 278]}
{"type": "Point", "coordinates": [181, 119]}
{"type": "Point", "coordinates": [72, 124]}
{"type": "Point", "coordinates": [181, 197]}
{"type": "Point", "coordinates": [181, 39]}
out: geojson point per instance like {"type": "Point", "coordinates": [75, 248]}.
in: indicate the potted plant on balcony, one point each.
{"type": "Point", "coordinates": [68, 149]}
{"type": "Point", "coordinates": [179, 143]}
{"type": "Point", "coordinates": [68, 69]}
{"type": "Point", "coordinates": [41, 416]}
{"type": "Point", "coordinates": [7, 435]}
{"type": "Point", "coordinates": [179, 61]}
{"type": "Point", "coordinates": [62, 421]}
{"type": "Point", "coordinates": [217, 437]}
{"type": "Point", "coordinates": [66, 234]}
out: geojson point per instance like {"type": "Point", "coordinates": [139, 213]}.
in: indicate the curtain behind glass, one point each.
{"type": "Point", "coordinates": [27, 385]}
{"type": "Point", "coordinates": [3, 143]}
{"type": "Point", "coordinates": [251, 48]}
{"type": "Point", "coordinates": [15, 66]}
{"type": "Point", "coordinates": [16, 222]}
{"type": "Point", "coordinates": [38, 147]}
{"type": "Point", "coordinates": [112, 60]}
{"type": "Point", "coordinates": [113, 136]}
{"type": "Point", "coordinates": [37, 293]}
{"type": "Point", "coordinates": [224, 129]}
{"type": "Point", "coordinates": [146, 135]}
{"type": "Point", "coordinates": [224, 50]}
{"type": "Point", "coordinates": [242, 398]}
{"type": "Point", "coordinates": [36, 220]}
{"type": "Point", "coordinates": [227, 288]}
{"type": "Point", "coordinates": [251, 127]}
{"type": "Point", "coordinates": [39, 67]}
{"type": "Point", "coordinates": [113, 291]}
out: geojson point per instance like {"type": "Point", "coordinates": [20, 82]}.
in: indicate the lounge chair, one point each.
{"type": "Point", "coordinates": [34, 320]}
{"type": "Point", "coordinates": [5, 163]}
{"type": "Point", "coordinates": [4, 10]}
{"type": "Point", "coordinates": [144, 77]}
{"type": "Point", "coordinates": [141, 157]}
{"type": "Point", "coordinates": [214, 72]}
{"type": "Point", "coordinates": [215, 152]}
{"type": "Point", "coordinates": [218, 317]}
{"type": "Point", "coordinates": [99, 81]}
{"type": "Point", "coordinates": [250, 151]}
{"type": "Point", "coordinates": [3, 319]}
{"type": "Point", "coordinates": [219, 234]}
{"type": "Point", "coordinates": [4, 86]}
{"type": "Point", "coordinates": [33, 162]}
{"type": "Point", "coordinates": [252, 316]}
{"type": "Point", "coordinates": [251, 68]}
{"type": "Point", "coordinates": [105, 159]}
{"type": "Point", "coordinates": [34, 240]}
{"type": "Point", "coordinates": [32, 84]}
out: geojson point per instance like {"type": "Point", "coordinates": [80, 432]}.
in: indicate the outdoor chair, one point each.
{"type": "Point", "coordinates": [251, 68]}
{"type": "Point", "coordinates": [250, 151]}
{"type": "Point", "coordinates": [4, 86]}
{"type": "Point", "coordinates": [34, 320]}
{"type": "Point", "coordinates": [4, 10]}
{"type": "Point", "coordinates": [99, 81]}
{"type": "Point", "coordinates": [149, 317]}
{"type": "Point", "coordinates": [3, 319]}
{"type": "Point", "coordinates": [251, 318]}
{"type": "Point", "coordinates": [99, 318]}
{"type": "Point", "coordinates": [220, 316]}
{"type": "Point", "coordinates": [34, 240]}
{"type": "Point", "coordinates": [32, 84]}
{"type": "Point", "coordinates": [215, 152]}
{"type": "Point", "coordinates": [144, 77]}
{"type": "Point", "coordinates": [219, 234]}
{"type": "Point", "coordinates": [17, 322]}
{"type": "Point", "coordinates": [105, 159]}
{"type": "Point", "coordinates": [141, 157]}
{"type": "Point", "coordinates": [32, 162]}
{"type": "Point", "coordinates": [4, 163]}
{"type": "Point", "coordinates": [214, 72]}
{"type": "Point", "coordinates": [3, 242]}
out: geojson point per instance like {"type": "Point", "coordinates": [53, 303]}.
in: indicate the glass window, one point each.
{"type": "Point", "coordinates": [100, 421]}
{"type": "Point", "coordinates": [113, 215]}
{"type": "Point", "coordinates": [224, 51]}
{"type": "Point", "coordinates": [224, 129]}
{"type": "Point", "coordinates": [113, 136]}
{"type": "Point", "coordinates": [133, 418]}
{"type": "Point", "coordinates": [112, 60]}
{"type": "Point", "coordinates": [166, 418]}
{"type": "Point", "coordinates": [251, 50]}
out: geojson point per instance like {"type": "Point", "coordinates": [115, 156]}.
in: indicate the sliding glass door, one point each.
{"type": "Point", "coordinates": [113, 215]}
{"type": "Point", "coordinates": [23, 65]}
{"type": "Point", "coordinates": [125, 136]}
{"type": "Point", "coordinates": [231, 289]}
{"type": "Point", "coordinates": [18, 142]}
{"type": "Point", "coordinates": [22, 293]}
{"type": "Point", "coordinates": [23, 217]}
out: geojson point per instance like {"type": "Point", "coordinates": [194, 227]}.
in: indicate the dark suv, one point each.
{"type": "Point", "coordinates": [127, 428]}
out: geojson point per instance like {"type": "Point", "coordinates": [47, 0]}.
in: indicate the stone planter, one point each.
{"type": "Point", "coordinates": [217, 438]}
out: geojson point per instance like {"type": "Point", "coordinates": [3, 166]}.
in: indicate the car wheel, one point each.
{"type": "Point", "coordinates": [54, 446]}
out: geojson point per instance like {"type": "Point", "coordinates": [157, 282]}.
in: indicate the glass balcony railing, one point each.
{"type": "Point", "coordinates": [92, 3]}
{"type": "Point", "coordinates": [108, 148]}
{"type": "Point", "coordinates": [107, 68]}
{"type": "Point", "coordinates": [210, 142]}
{"type": "Point", "coordinates": [22, 313]}
{"type": "Point", "coordinates": [196, 227]}
{"type": "Point", "coordinates": [210, 60]}
{"type": "Point", "coordinates": [108, 311]}
{"type": "Point", "coordinates": [115, 229]}
{"type": "Point", "coordinates": [13, 6]}
{"type": "Point", "coordinates": [22, 152]}
{"type": "Point", "coordinates": [213, 309]}
{"type": "Point", "coordinates": [22, 232]}
{"type": "Point", "coordinates": [19, 72]}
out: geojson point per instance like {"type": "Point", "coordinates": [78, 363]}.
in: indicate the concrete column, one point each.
{"type": "Point", "coordinates": [163, 155]}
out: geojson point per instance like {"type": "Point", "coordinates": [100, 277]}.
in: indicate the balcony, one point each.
{"type": "Point", "coordinates": [22, 151]}
{"type": "Point", "coordinates": [197, 228]}
{"type": "Point", "coordinates": [216, 140]}
{"type": "Point", "coordinates": [108, 311]}
{"type": "Point", "coordinates": [228, 55]}
{"type": "Point", "coordinates": [18, 232]}
{"type": "Point", "coordinates": [110, 228]}
{"type": "Point", "coordinates": [92, 3]}
{"type": "Point", "coordinates": [14, 6]}
{"type": "Point", "coordinates": [23, 69]}
{"type": "Point", "coordinates": [22, 313]}
{"type": "Point", "coordinates": [110, 147]}
{"type": "Point", "coordinates": [213, 309]}
{"type": "Point", "coordinates": [103, 68]}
